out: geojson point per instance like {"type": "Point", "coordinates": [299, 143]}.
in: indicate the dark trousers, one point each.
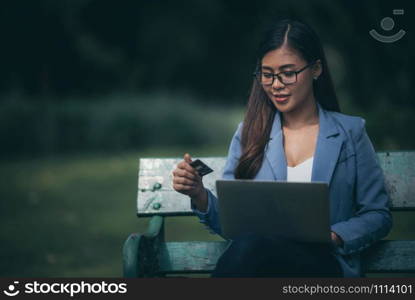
{"type": "Point", "coordinates": [254, 256]}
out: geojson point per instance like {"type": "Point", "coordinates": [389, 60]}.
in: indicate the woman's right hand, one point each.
{"type": "Point", "coordinates": [186, 180]}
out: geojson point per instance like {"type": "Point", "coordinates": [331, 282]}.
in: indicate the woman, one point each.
{"type": "Point", "coordinates": [293, 130]}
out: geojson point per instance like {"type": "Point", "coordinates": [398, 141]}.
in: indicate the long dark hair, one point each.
{"type": "Point", "coordinates": [260, 111]}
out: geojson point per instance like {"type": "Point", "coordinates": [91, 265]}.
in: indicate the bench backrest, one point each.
{"type": "Point", "coordinates": [156, 195]}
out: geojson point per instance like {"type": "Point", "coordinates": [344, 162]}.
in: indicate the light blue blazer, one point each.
{"type": "Point", "coordinates": [346, 160]}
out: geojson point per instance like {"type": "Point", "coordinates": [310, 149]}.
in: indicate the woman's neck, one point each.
{"type": "Point", "coordinates": [305, 115]}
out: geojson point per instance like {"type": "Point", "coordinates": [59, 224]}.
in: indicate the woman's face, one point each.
{"type": "Point", "coordinates": [288, 97]}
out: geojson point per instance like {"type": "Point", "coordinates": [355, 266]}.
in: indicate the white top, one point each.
{"type": "Point", "coordinates": [301, 172]}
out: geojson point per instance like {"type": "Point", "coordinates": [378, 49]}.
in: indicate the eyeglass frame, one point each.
{"type": "Point", "coordinates": [278, 75]}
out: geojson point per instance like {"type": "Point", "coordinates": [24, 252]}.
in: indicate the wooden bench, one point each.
{"type": "Point", "coordinates": [148, 255]}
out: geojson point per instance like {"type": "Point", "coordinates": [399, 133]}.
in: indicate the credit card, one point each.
{"type": "Point", "coordinates": [201, 167]}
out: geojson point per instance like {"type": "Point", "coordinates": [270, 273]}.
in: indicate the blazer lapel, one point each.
{"type": "Point", "coordinates": [326, 154]}
{"type": "Point", "coordinates": [274, 151]}
{"type": "Point", "coordinates": [329, 143]}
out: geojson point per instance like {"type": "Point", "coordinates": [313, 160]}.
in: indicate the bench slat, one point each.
{"type": "Point", "coordinates": [390, 256]}
{"type": "Point", "coordinates": [190, 257]}
{"type": "Point", "coordinates": [399, 170]}
{"type": "Point", "coordinates": [201, 257]}
{"type": "Point", "coordinates": [160, 170]}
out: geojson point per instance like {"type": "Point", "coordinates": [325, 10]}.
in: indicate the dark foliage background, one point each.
{"type": "Point", "coordinates": [62, 61]}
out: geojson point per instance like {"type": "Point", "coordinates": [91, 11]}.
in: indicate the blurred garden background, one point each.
{"type": "Point", "coordinates": [87, 87]}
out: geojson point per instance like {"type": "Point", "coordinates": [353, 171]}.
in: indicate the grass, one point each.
{"type": "Point", "coordinates": [69, 216]}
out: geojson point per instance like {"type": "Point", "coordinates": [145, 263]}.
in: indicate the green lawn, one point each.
{"type": "Point", "coordinates": [69, 216]}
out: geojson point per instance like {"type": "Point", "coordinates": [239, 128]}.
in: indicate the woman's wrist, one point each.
{"type": "Point", "coordinates": [200, 200]}
{"type": "Point", "coordinates": [336, 239]}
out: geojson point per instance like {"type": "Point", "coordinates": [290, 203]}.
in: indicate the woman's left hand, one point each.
{"type": "Point", "coordinates": [336, 239]}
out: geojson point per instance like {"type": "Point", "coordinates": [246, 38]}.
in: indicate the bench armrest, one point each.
{"type": "Point", "coordinates": [141, 252]}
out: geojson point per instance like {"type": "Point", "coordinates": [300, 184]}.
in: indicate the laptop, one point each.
{"type": "Point", "coordinates": [293, 210]}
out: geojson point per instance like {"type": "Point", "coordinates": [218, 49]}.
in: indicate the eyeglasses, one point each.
{"type": "Point", "coordinates": [286, 77]}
